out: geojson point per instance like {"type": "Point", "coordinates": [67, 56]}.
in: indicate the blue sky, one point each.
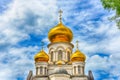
{"type": "Point", "coordinates": [25, 23]}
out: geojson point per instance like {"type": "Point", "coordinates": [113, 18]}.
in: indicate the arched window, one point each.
{"type": "Point", "coordinates": [45, 70]}
{"type": "Point", "coordinates": [74, 69]}
{"type": "Point", "coordinates": [41, 69]}
{"type": "Point", "coordinates": [51, 55]}
{"type": "Point", "coordinates": [36, 70]}
{"type": "Point", "coordinates": [83, 70]}
{"type": "Point", "coordinates": [68, 54]}
{"type": "Point", "coordinates": [60, 55]}
{"type": "Point", "coordinates": [78, 69]}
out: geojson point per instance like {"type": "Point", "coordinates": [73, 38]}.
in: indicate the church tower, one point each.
{"type": "Point", "coordinates": [60, 63]}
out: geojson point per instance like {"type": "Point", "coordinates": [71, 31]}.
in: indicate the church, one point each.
{"type": "Point", "coordinates": [60, 63]}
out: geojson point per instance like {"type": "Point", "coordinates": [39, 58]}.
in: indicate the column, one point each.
{"type": "Point", "coordinates": [63, 56]}
{"type": "Point", "coordinates": [56, 56]}
{"type": "Point", "coordinates": [77, 70]}
{"type": "Point", "coordinates": [66, 56]}
{"type": "Point", "coordinates": [53, 56]}
{"type": "Point", "coordinates": [73, 70]}
{"type": "Point", "coordinates": [38, 71]}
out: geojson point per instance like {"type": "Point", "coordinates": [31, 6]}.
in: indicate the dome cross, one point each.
{"type": "Point", "coordinates": [60, 15]}
{"type": "Point", "coordinates": [42, 45]}
{"type": "Point", "coordinates": [77, 44]}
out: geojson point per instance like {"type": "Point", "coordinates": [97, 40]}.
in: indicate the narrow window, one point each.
{"type": "Point", "coordinates": [78, 69]}
{"type": "Point", "coordinates": [51, 56]}
{"type": "Point", "coordinates": [45, 70]}
{"type": "Point", "coordinates": [83, 70]}
{"type": "Point", "coordinates": [68, 54]}
{"type": "Point", "coordinates": [36, 70]}
{"type": "Point", "coordinates": [41, 69]}
{"type": "Point", "coordinates": [60, 55]}
{"type": "Point", "coordinates": [74, 69]}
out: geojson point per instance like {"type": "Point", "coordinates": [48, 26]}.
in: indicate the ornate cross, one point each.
{"type": "Point", "coordinates": [77, 44]}
{"type": "Point", "coordinates": [42, 44]}
{"type": "Point", "coordinates": [60, 15]}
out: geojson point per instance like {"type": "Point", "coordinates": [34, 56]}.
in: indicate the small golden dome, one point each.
{"type": "Point", "coordinates": [78, 56]}
{"type": "Point", "coordinates": [60, 62]}
{"type": "Point", "coordinates": [60, 33]}
{"type": "Point", "coordinates": [41, 56]}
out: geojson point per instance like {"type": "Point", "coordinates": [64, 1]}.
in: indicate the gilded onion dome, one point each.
{"type": "Point", "coordinates": [41, 57]}
{"type": "Point", "coordinates": [60, 33]}
{"type": "Point", "coordinates": [60, 62]}
{"type": "Point", "coordinates": [78, 55]}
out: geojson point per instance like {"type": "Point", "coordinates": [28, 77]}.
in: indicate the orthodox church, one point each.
{"type": "Point", "coordinates": [60, 63]}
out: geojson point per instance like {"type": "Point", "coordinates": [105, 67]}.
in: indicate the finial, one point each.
{"type": "Point", "coordinates": [60, 15]}
{"type": "Point", "coordinates": [42, 44]}
{"type": "Point", "coordinates": [77, 44]}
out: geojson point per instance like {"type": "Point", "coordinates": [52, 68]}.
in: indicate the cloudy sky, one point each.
{"type": "Point", "coordinates": [25, 23]}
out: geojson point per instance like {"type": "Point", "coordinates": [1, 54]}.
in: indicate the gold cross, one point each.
{"type": "Point", "coordinates": [60, 15]}
{"type": "Point", "coordinates": [42, 44]}
{"type": "Point", "coordinates": [77, 44]}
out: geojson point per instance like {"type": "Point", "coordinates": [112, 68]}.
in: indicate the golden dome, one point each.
{"type": "Point", "coordinates": [60, 62]}
{"type": "Point", "coordinates": [78, 56]}
{"type": "Point", "coordinates": [41, 56]}
{"type": "Point", "coordinates": [60, 33]}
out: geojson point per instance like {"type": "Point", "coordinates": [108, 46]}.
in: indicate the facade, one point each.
{"type": "Point", "coordinates": [61, 63]}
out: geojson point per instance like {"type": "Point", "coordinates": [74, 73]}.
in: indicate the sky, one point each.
{"type": "Point", "coordinates": [24, 24]}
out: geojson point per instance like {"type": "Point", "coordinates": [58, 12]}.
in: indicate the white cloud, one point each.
{"type": "Point", "coordinates": [24, 17]}
{"type": "Point", "coordinates": [3, 74]}
{"type": "Point", "coordinates": [17, 62]}
{"type": "Point", "coordinates": [107, 42]}
{"type": "Point", "coordinates": [107, 64]}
